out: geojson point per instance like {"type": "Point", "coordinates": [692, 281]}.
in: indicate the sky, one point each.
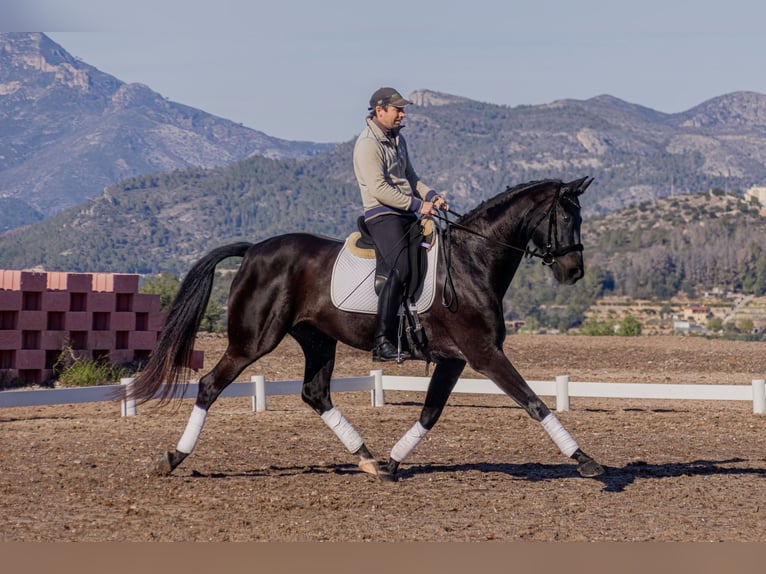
{"type": "Point", "coordinates": [305, 70]}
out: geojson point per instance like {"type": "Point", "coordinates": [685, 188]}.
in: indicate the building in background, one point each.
{"type": "Point", "coordinates": [99, 316]}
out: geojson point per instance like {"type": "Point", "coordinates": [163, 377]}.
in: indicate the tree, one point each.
{"type": "Point", "coordinates": [594, 328]}
{"type": "Point", "coordinates": [630, 327]}
{"type": "Point", "coordinates": [165, 285]}
{"type": "Point", "coordinates": [715, 324]}
{"type": "Point", "coordinates": [745, 325]}
{"type": "Point", "coordinates": [213, 319]}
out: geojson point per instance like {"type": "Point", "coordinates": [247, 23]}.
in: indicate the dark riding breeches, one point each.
{"type": "Point", "coordinates": [393, 235]}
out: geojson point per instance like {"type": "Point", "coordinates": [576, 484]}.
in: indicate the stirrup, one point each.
{"type": "Point", "coordinates": [386, 351]}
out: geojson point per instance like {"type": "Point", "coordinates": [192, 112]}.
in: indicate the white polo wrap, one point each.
{"type": "Point", "coordinates": [193, 429]}
{"type": "Point", "coordinates": [343, 429]}
{"type": "Point", "coordinates": [567, 445]}
{"type": "Point", "coordinates": [408, 442]}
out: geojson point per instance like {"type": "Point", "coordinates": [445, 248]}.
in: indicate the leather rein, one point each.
{"type": "Point", "coordinates": [548, 257]}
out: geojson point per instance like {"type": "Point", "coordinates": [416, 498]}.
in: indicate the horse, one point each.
{"type": "Point", "coordinates": [283, 287]}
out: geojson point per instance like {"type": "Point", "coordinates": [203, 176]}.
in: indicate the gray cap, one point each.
{"type": "Point", "coordinates": [387, 97]}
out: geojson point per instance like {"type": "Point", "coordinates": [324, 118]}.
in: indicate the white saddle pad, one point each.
{"type": "Point", "coordinates": [352, 286]}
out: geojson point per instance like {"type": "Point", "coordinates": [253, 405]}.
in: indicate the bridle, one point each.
{"type": "Point", "coordinates": [552, 247]}
{"type": "Point", "coordinates": [548, 257]}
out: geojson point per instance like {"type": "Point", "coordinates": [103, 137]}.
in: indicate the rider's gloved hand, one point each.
{"type": "Point", "coordinates": [441, 204]}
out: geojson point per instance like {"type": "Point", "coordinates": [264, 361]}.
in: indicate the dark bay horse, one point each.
{"type": "Point", "coordinates": [283, 287]}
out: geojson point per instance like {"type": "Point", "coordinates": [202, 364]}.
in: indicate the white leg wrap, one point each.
{"type": "Point", "coordinates": [343, 429]}
{"type": "Point", "coordinates": [408, 442]}
{"type": "Point", "coordinates": [567, 445]}
{"type": "Point", "coordinates": [193, 429]}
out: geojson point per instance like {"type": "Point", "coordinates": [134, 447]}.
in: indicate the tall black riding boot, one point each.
{"type": "Point", "coordinates": [387, 321]}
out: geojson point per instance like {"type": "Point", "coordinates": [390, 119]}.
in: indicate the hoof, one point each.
{"type": "Point", "coordinates": [590, 469]}
{"type": "Point", "coordinates": [386, 476]}
{"type": "Point", "coordinates": [370, 466]}
{"type": "Point", "coordinates": [586, 466]}
{"type": "Point", "coordinates": [164, 466]}
{"type": "Point", "coordinates": [387, 471]}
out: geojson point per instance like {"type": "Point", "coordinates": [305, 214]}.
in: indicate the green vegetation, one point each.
{"type": "Point", "coordinates": [165, 285]}
{"type": "Point", "coordinates": [7, 381]}
{"type": "Point", "coordinates": [74, 371]}
{"type": "Point", "coordinates": [595, 328]}
{"type": "Point", "coordinates": [690, 244]}
{"type": "Point", "coordinates": [629, 327]}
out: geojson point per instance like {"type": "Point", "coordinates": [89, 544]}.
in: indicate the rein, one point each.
{"type": "Point", "coordinates": [548, 257]}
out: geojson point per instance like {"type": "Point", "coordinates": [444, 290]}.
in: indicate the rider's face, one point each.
{"type": "Point", "coordinates": [390, 116]}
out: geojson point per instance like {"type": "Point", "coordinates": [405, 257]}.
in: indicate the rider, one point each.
{"type": "Point", "coordinates": [392, 196]}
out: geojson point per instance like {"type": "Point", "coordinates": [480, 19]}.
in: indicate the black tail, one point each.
{"type": "Point", "coordinates": [173, 351]}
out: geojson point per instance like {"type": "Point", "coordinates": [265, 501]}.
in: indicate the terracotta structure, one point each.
{"type": "Point", "coordinates": [97, 315]}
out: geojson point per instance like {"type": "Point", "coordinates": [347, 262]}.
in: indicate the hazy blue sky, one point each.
{"type": "Point", "coordinates": [304, 70]}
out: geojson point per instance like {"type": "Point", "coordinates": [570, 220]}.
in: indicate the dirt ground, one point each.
{"type": "Point", "coordinates": [676, 470]}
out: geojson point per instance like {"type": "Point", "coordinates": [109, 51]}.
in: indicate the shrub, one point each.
{"type": "Point", "coordinates": [594, 328]}
{"type": "Point", "coordinates": [8, 381]}
{"type": "Point", "coordinates": [630, 327]}
{"type": "Point", "coordinates": [76, 371]}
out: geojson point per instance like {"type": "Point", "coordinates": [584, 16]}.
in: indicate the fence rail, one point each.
{"type": "Point", "coordinates": [377, 383]}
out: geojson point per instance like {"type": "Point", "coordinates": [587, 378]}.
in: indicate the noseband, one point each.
{"type": "Point", "coordinates": [552, 248]}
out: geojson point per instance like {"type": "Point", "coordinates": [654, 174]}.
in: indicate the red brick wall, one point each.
{"type": "Point", "coordinates": [93, 312]}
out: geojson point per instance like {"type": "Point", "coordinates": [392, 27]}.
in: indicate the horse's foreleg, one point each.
{"type": "Point", "coordinates": [440, 387]}
{"type": "Point", "coordinates": [319, 350]}
{"type": "Point", "coordinates": [513, 384]}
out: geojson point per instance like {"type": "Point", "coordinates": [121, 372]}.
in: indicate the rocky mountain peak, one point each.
{"type": "Point", "coordinates": [71, 130]}
{"type": "Point", "coordinates": [738, 109]}
{"type": "Point", "coordinates": [35, 55]}
{"type": "Point", "coordinates": [429, 98]}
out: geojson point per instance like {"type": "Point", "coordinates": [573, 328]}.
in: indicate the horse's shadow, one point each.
{"type": "Point", "coordinates": [614, 479]}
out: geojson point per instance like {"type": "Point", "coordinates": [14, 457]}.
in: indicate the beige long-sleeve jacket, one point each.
{"type": "Point", "coordinates": [387, 181]}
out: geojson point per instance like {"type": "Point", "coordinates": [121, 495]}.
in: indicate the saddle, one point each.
{"type": "Point", "coordinates": [361, 244]}
{"type": "Point", "coordinates": [359, 258]}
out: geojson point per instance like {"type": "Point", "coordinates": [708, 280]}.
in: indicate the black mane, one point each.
{"type": "Point", "coordinates": [502, 198]}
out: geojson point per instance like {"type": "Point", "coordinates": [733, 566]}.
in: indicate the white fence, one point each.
{"type": "Point", "coordinates": [377, 383]}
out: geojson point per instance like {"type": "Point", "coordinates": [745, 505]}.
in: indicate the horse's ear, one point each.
{"type": "Point", "coordinates": [580, 185]}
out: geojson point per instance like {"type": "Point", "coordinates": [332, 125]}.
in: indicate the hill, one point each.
{"type": "Point", "coordinates": [674, 248]}
{"type": "Point", "coordinates": [70, 130]}
{"type": "Point", "coordinates": [66, 119]}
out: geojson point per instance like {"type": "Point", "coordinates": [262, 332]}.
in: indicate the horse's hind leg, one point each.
{"type": "Point", "coordinates": [319, 350]}
{"type": "Point", "coordinates": [210, 387]}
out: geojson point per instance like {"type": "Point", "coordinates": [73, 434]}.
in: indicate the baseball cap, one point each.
{"type": "Point", "coordinates": [387, 97]}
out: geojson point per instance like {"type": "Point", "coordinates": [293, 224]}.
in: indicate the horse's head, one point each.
{"type": "Point", "coordinates": [557, 237]}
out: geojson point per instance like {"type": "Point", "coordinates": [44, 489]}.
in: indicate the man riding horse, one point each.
{"type": "Point", "coordinates": [392, 196]}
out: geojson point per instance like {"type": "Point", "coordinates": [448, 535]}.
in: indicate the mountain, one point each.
{"type": "Point", "coordinates": [473, 149]}
{"type": "Point", "coordinates": [635, 153]}
{"type": "Point", "coordinates": [163, 218]}
{"type": "Point", "coordinates": [70, 130]}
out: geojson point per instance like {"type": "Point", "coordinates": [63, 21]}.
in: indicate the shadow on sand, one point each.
{"type": "Point", "coordinates": [615, 479]}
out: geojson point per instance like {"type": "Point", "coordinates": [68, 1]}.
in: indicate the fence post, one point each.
{"type": "Point", "coordinates": [378, 396]}
{"type": "Point", "coordinates": [259, 393]}
{"type": "Point", "coordinates": [128, 405]}
{"type": "Point", "coordinates": [759, 396]}
{"type": "Point", "coordinates": [562, 393]}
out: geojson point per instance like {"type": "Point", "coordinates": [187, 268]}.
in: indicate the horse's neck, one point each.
{"type": "Point", "coordinates": [514, 221]}
{"type": "Point", "coordinates": [507, 233]}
